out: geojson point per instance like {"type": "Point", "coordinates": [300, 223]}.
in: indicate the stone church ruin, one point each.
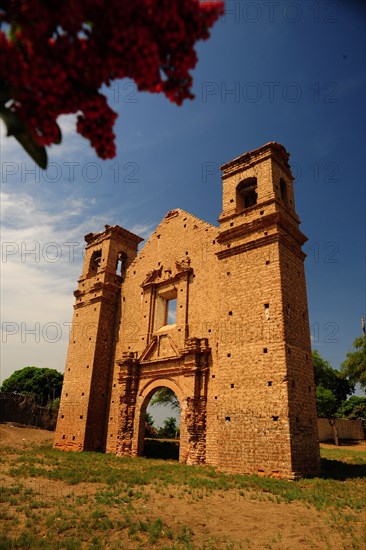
{"type": "Point", "coordinates": [235, 349]}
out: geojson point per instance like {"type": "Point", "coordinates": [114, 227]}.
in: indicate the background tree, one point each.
{"type": "Point", "coordinates": [150, 430]}
{"type": "Point", "coordinates": [165, 397]}
{"type": "Point", "coordinates": [332, 389]}
{"type": "Point", "coordinates": [354, 366]}
{"type": "Point", "coordinates": [353, 408]}
{"type": "Point", "coordinates": [170, 429]}
{"type": "Point", "coordinates": [44, 384]}
{"type": "Point", "coordinates": [56, 56]}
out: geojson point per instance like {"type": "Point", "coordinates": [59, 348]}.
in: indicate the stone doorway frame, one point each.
{"type": "Point", "coordinates": [187, 375]}
{"type": "Point", "coordinates": [142, 403]}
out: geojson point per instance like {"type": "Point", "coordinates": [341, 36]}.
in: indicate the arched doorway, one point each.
{"type": "Point", "coordinates": [186, 374]}
{"type": "Point", "coordinates": [162, 425]}
{"type": "Point", "coordinates": [164, 448]}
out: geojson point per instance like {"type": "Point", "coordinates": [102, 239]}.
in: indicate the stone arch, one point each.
{"type": "Point", "coordinates": [246, 194]}
{"type": "Point", "coordinates": [186, 374]}
{"type": "Point", "coordinates": [95, 261]}
{"type": "Point", "coordinates": [143, 398]}
{"type": "Point", "coordinates": [165, 382]}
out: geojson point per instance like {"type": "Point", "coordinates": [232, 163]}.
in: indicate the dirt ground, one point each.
{"type": "Point", "coordinates": [21, 436]}
{"type": "Point", "coordinates": [244, 521]}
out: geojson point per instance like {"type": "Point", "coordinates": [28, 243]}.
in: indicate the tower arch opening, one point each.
{"type": "Point", "coordinates": [121, 264]}
{"type": "Point", "coordinates": [246, 194]}
{"type": "Point", "coordinates": [95, 262]}
{"type": "Point", "coordinates": [283, 191]}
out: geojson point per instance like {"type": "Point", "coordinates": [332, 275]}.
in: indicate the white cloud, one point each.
{"type": "Point", "coordinates": [41, 260]}
{"type": "Point", "coordinates": [44, 219]}
{"type": "Point", "coordinates": [72, 143]}
{"type": "Point", "coordinates": [143, 230]}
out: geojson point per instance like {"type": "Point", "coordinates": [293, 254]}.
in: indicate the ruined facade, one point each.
{"type": "Point", "coordinates": [235, 348]}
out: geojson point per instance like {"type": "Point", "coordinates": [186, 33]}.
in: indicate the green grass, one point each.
{"type": "Point", "coordinates": [83, 500]}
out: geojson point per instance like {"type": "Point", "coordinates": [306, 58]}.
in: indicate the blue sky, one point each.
{"type": "Point", "coordinates": [292, 72]}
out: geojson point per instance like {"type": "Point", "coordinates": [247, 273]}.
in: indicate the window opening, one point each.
{"type": "Point", "coordinates": [171, 312]}
{"type": "Point", "coordinates": [246, 193]}
{"type": "Point", "coordinates": [96, 260]}
{"type": "Point", "coordinates": [166, 309]}
{"type": "Point", "coordinates": [283, 191]}
{"type": "Point", "coordinates": [121, 264]}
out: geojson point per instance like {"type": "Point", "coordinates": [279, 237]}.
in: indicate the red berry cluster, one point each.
{"type": "Point", "coordinates": [55, 56]}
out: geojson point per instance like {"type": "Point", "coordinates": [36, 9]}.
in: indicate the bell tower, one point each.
{"type": "Point", "coordinates": [84, 403]}
{"type": "Point", "coordinates": [264, 383]}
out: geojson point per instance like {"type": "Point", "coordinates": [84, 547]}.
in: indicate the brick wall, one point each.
{"type": "Point", "coordinates": [237, 353]}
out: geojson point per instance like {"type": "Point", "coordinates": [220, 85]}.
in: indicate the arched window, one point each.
{"type": "Point", "coordinates": [246, 194]}
{"type": "Point", "coordinates": [283, 191]}
{"type": "Point", "coordinates": [95, 261]}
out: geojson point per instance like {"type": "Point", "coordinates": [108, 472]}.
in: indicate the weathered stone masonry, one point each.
{"type": "Point", "coordinates": [237, 354]}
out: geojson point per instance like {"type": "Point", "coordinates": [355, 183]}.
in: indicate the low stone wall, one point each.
{"type": "Point", "coordinates": [23, 409]}
{"type": "Point", "coordinates": [347, 429]}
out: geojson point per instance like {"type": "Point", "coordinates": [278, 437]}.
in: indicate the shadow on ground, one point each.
{"type": "Point", "coordinates": [339, 470]}
{"type": "Point", "coordinates": [161, 448]}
